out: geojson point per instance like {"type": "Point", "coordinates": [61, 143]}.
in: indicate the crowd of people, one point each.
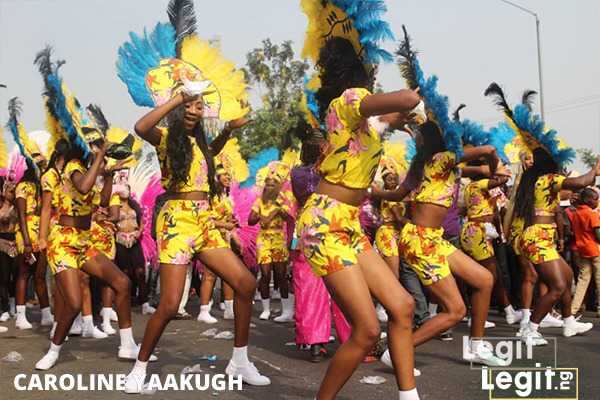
{"type": "Point", "coordinates": [416, 240]}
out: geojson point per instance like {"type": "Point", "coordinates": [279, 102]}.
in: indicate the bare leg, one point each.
{"type": "Point", "coordinates": [40, 280]}
{"type": "Point", "coordinates": [499, 290]}
{"type": "Point", "coordinates": [22, 277]}
{"type": "Point", "coordinates": [394, 264]}
{"type": "Point", "coordinates": [265, 281]}
{"type": "Point", "coordinates": [207, 286]}
{"type": "Point", "coordinates": [280, 274]}
{"type": "Point", "coordinates": [530, 278]}
{"type": "Point", "coordinates": [68, 284]}
{"type": "Point", "coordinates": [553, 274]}
{"type": "Point", "coordinates": [86, 294]}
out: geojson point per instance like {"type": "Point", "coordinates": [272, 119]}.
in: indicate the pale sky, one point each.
{"type": "Point", "coordinates": [467, 43]}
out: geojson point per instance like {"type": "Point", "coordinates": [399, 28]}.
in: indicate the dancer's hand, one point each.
{"type": "Point", "coordinates": [237, 123]}
{"type": "Point", "coordinates": [597, 167]}
{"type": "Point", "coordinates": [503, 170]}
{"type": "Point", "coordinates": [42, 244]}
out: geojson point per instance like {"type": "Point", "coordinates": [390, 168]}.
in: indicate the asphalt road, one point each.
{"type": "Point", "coordinates": [445, 375]}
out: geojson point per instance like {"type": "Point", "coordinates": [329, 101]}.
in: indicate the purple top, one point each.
{"type": "Point", "coordinates": [452, 222]}
{"type": "Point", "coordinates": [305, 180]}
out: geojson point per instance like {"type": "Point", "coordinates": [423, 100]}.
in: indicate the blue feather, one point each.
{"type": "Point", "coordinates": [411, 149]}
{"type": "Point", "coordinates": [475, 134]}
{"type": "Point", "coordinates": [141, 54]}
{"type": "Point", "coordinates": [261, 160]}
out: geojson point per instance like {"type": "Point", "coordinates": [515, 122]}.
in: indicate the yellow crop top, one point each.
{"type": "Point", "coordinates": [354, 147]}
{"type": "Point", "coordinates": [439, 181]}
{"type": "Point", "coordinates": [28, 192]}
{"type": "Point", "coordinates": [73, 203]}
{"type": "Point", "coordinates": [387, 216]}
{"type": "Point", "coordinates": [197, 180]}
{"type": "Point", "coordinates": [478, 199]}
{"type": "Point", "coordinates": [546, 194]}
{"type": "Point", "coordinates": [264, 210]}
{"type": "Point", "coordinates": [51, 183]}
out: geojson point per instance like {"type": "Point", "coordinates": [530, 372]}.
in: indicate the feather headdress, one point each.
{"type": "Point", "coordinates": [436, 104]}
{"type": "Point", "coordinates": [358, 21]}
{"type": "Point", "coordinates": [3, 154]}
{"type": "Point", "coordinates": [230, 160]}
{"type": "Point", "coordinates": [27, 147]}
{"type": "Point", "coordinates": [530, 127]}
{"type": "Point", "coordinates": [309, 104]}
{"type": "Point", "coordinates": [154, 66]}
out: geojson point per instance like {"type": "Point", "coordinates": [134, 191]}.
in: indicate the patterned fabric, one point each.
{"type": "Point", "coordinates": [265, 209]}
{"type": "Point", "coordinates": [385, 210]}
{"type": "Point", "coordinates": [439, 181]}
{"type": "Point", "coordinates": [474, 241]}
{"type": "Point", "coordinates": [69, 248]}
{"type": "Point", "coordinates": [197, 180]}
{"type": "Point", "coordinates": [546, 194]}
{"type": "Point", "coordinates": [51, 182]}
{"type": "Point", "coordinates": [222, 207]}
{"type": "Point", "coordinates": [354, 148]}
{"type": "Point", "coordinates": [271, 247]}
{"type": "Point", "coordinates": [478, 199]}
{"type": "Point", "coordinates": [33, 228]}
{"type": "Point", "coordinates": [426, 252]}
{"type": "Point", "coordinates": [386, 240]}
{"type": "Point", "coordinates": [103, 239]}
{"type": "Point", "coordinates": [538, 243]}
{"type": "Point", "coordinates": [185, 228]}
{"type": "Point", "coordinates": [516, 231]}
{"type": "Point", "coordinates": [28, 192]}
{"type": "Point", "coordinates": [330, 235]}
{"type": "Point", "coordinates": [72, 202]}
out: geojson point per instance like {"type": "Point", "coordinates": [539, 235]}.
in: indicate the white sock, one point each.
{"type": "Point", "coordinates": [54, 348]}
{"type": "Point", "coordinates": [78, 319]}
{"type": "Point", "coordinates": [240, 356]}
{"type": "Point", "coordinates": [205, 309]}
{"type": "Point", "coordinates": [570, 320]}
{"type": "Point", "coordinates": [475, 344]}
{"type": "Point", "coordinates": [533, 326]}
{"type": "Point", "coordinates": [88, 322]}
{"type": "Point", "coordinates": [229, 306]}
{"type": "Point", "coordinates": [433, 309]}
{"type": "Point", "coordinates": [140, 367]}
{"type": "Point", "coordinates": [526, 314]}
{"type": "Point", "coordinates": [106, 315]}
{"type": "Point", "coordinates": [509, 309]}
{"type": "Point", "coordinates": [127, 337]}
{"type": "Point", "coordinates": [408, 394]}
{"type": "Point", "coordinates": [266, 303]}
{"type": "Point", "coordinates": [21, 311]}
{"type": "Point", "coordinates": [46, 313]}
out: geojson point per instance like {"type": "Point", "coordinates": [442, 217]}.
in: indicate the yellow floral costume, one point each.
{"type": "Point", "coordinates": [223, 212]}
{"type": "Point", "coordinates": [388, 234]}
{"type": "Point", "coordinates": [330, 235]}
{"type": "Point", "coordinates": [271, 243]}
{"type": "Point", "coordinates": [70, 247]}
{"type": "Point", "coordinates": [185, 227]}
{"type": "Point", "coordinates": [538, 242]}
{"type": "Point", "coordinates": [28, 192]}
{"type": "Point", "coordinates": [424, 248]}
{"type": "Point", "coordinates": [103, 233]}
{"type": "Point", "coordinates": [516, 231]}
{"type": "Point", "coordinates": [473, 236]}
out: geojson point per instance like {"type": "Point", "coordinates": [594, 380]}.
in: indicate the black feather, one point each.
{"type": "Point", "coordinates": [456, 114]}
{"type": "Point", "coordinates": [182, 17]}
{"type": "Point", "coordinates": [527, 98]}
{"type": "Point", "coordinates": [497, 94]}
{"type": "Point", "coordinates": [14, 109]}
{"type": "Point", "coordinates": [407, 59]}
{"type": "Point", "coordinates": [43, 60]}
{"type": "Point", "coordinates": [98, 117]}
{"type": "Point", "coordinates": [2, 85]}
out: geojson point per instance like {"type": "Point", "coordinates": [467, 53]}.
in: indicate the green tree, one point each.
{"type": "Point", "coordinates": [278, 77]}
{"type": "Point", "coordinates": [588, 157]}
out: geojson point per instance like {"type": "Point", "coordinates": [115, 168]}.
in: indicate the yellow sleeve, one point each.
{"type": "Point", "coordinates": [483, 184]}
{"type": "Point", "coordinates": [556, 182]}
{"type": "Point", "coordinates": [49, 181]}
{"type": "Point", "coordinates": [115, 200]}
{"type": "Point", "coordinates": [347, 107]}
{"type": "Point", "coordinates": [74, 166]}
{"type": "Point", "coordinates": [445, 161]}
{"type": "Point", "coordinates": [23, 190]}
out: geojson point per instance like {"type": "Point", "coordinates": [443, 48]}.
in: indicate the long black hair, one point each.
{"type": "Point", "coordinates": [340, 68]}
{"type": "Point", "coordinates": [179, 151]}
{"type": "Point", "coordinates": [543, 164]}
{"type": "Point", "coordinates": [432, 143]}
{"type": "Point", "coordinates": [61, 149]}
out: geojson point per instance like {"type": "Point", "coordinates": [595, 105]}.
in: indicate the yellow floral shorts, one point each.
{"type": "Point", "coordinates": [538, 243]}
{"type": "Point", "coordinates": [185, 228]}
{"type": "Point", "coordinates": [474, 241]}
{"type": "Point", "coordinates": [271, 247]}
{"type": "Point", "coordinates": [330, 235]}
{"type": "Point", "coordinates": [33, 228]}
{"type": "Point", "coordinates": [426, 251]}
{"type": "Point", "coordinates": [386, 240]}
{"type": "Point", "coordinates": [69, 248]}
{"type": "Point", "coordinates": [103, 240]}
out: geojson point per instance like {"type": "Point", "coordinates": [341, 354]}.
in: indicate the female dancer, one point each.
{"type": "Point", "coordinates": [185, 228]}
{"type": "Point", "coordinates": [271, 245]}
{"type": "Point", "coordinates": [329, 230]}
{"type": "Point", "coordinates": [8, 248]}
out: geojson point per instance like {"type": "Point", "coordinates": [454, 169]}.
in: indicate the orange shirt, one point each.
{"type": "Point", "coordinates": [585, 222]}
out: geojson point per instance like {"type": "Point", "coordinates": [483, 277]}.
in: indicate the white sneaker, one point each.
{"type": "Point", "coordinates": [483, 356]}
{"type": "Point", "coordinates": [550, 321]}
{"type": "Point", "coordinates": [3, 329]}
{"type": "Point", "coordinates": [265, 315]}
{"type": "Point", "coordinates": [387, 360]}
{"type": "Point", "coordinates": [205, 317]}
{"type": "Point", "coordinates": [76, 328]}
{"type": "Point", "coordinates": [229, 315]}
{"type": "Point", "coordinates": [22, 323]}
{"type": "Point", "coordinates": [4, 317]}
{"type": "Point", "coordinates": [284, 317]}
{"type": "Point", "coordinates": [108, 329]}
{"type": "Point", "coordinates": [533, 338]}
{"type": "Point", "coordinates": [134, 383]}
{"type": "Point", "coordinates": [513, 317]}
{"type": "Point", "coordinates": [249, 374]}
{"type": "Point", "coordinates": [381, 313]}
{"type": "Point", "coordinates": [94, 333]}
{"type": "Point", "coordinates": [48, 361]}
{"type": "Point", "coordinates": [576, 328]}
{"type": "Point", "coordinates": [488, 324]}
{"type": "Point", "coordinates": [147, 309]}
{"type": "Point", "coordinates": [113, 316]}
{"type": "Point", "coordinates": [131, 353]}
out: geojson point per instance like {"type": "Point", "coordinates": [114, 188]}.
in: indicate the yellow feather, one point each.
{"type": "Point", "coordinates": [232, 161]}
{"type": "Point", "coordinates": [3, 150]}
{"type": "Point", "coordinates": [394, 157]}
{"type": "Point", "coordinates": [291, 158]}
